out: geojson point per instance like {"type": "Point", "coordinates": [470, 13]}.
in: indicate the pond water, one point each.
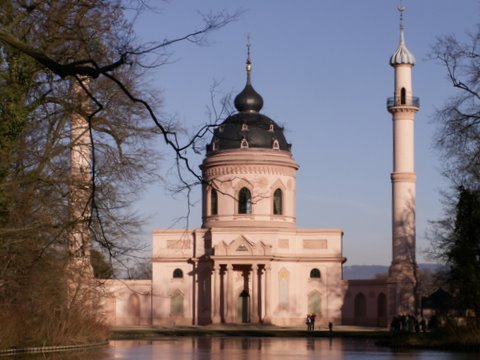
{"type": "Point", "coordinates": [238, 348]}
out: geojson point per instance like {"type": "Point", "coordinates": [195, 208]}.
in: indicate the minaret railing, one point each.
{"type": "Point", "coordinates": [399, 101]}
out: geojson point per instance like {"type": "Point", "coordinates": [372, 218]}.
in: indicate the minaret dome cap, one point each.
{"type": "Point", "coordinates": [402, 55]}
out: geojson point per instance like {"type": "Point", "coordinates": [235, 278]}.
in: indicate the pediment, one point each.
{"type": "Point", "coordinates": [241, 246]}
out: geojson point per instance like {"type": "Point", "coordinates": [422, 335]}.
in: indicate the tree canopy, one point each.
{"type": "Point", "coordinates": [60, 60]}
{"type": "Point", "coordinates": [456, 238]}
{"type": "Point", "coordinates": [458, 121]}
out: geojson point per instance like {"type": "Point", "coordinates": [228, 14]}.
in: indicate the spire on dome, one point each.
{"type": "Point", "coordinates": [249, 61]}
{"type": "Point", "coordinates": [248, 100]}
{"type": "Point", "coordinates": [402, 55]}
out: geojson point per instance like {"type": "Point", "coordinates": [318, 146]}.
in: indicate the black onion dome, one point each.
{"type": "Point", "coordinates": [248, 100]}
{"type": "Point", "coordinates": [248, 129]}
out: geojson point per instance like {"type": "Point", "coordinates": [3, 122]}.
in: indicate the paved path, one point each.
{"type": "Point", "coordinates": [250, 327]}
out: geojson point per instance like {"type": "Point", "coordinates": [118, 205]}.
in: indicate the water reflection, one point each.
{"type": "Point", "coordinates": [235, 348]}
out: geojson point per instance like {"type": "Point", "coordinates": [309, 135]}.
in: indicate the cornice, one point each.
{"type": "Point", "coordinates": [324, 258]}
{"type": "Point", "coordinates": [403, 177]}
{"type": "Point", "coordinates": [403, 109]}
{"type": "Point", "coordinates": [262, 169]}
{"type": "Point", "coordinates": [252, 158]}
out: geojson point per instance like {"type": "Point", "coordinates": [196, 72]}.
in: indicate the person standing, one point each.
{"type": "Point", "coordinates": [308, 321]}
{"type": "Point", "coordinates": [312, 318]}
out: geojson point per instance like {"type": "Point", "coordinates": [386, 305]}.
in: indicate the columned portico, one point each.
{"type": "Point", "coordinates": [226, 295]}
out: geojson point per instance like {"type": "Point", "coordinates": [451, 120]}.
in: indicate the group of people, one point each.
{"type": "Point", "coordinates": [310, 322]}
{"type": "Point", "coordinates": [408, 323]}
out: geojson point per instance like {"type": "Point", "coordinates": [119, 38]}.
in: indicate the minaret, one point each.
{"type": "Point", "coordinates": [403, 106]}
{"type": "Point", "coordinates": [80, 194]}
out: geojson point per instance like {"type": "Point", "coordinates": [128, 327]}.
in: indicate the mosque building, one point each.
{"type": "Point", "coordinates": [249, 263]}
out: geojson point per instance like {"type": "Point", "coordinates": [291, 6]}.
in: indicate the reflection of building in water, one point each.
{"type": "Point", "coordinates": [249, 263]}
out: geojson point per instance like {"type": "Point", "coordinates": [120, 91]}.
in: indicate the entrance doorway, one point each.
{"type": "Point", "coordinates": [243, 308]}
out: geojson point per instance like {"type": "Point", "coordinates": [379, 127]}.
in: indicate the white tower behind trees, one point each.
{"type": "Point", "coordinates": [80, 192]}
{"type": "Point", "coordinates": [403, 106]}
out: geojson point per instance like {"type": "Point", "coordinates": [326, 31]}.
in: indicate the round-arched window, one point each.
{"type": "Point", "coordinates": [177, 274]}
{"type": "Point", "coordinates": [277, 202]}
{"type": "Point", "coordinates": [315, 274]}
{"type": "Point", "coordinates": [244, 201]}
{"type": "Point", "coordinates": [213, 202]}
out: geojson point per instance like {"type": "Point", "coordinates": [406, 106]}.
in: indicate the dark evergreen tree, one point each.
{"type": "Point", "coordinates": [463, 251]}
{"type": "Point", "coordinates": [456, 238]}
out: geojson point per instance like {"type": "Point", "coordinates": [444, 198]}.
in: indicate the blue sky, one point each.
{"type": "Point", "coordinates": [322, 69]}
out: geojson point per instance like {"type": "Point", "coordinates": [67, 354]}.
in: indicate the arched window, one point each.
{"type": "Point", "coordinates": [403, 96]}
{"type": "Point", "coordinates": [133, 307]}
{"type": "Point", "coordinates": [176, 304]}
{"type": "Point", "coordinates": [213, 202]}
{"type": "Point", "coordinates": [244, 201]}
{"type": "Point", "coordinates": [283, 295]}
{"type": "Point", "coordinates": [359, 308]}
{"type": "Point", "coordinates": [277, 202]}
{"type": "Point", "coordinates": [314, 303]}
{"type": "Point", "coordinates": [382, 305]}
{"type": "Point", "coordinates": [315, 274]}
{"type": "Point", "coordinates": [276, 145]}
{"type": "Point", "coordinates": [177, 274]}
{"type": "Point", "coordinates": [382, 310]}
{"type": "Point", "coordinates": [244, 144]}
{"type": "Point", "coordinates": [215, 144]}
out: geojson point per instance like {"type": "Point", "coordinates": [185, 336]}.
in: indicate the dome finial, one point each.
{"type": "Point", "coordinates": [249, 61]}
{"type": "Point", "coordinates": [248, 100]}
{"type": "Point", "coordinates": [402, 55]}
{"type": "Point", "coordinates": [401, 9]}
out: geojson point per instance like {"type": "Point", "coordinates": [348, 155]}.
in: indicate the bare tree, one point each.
{"type": "Point", "coordinates": [458, 133]}
{"type": "Point", "coordinates": [455, 238]}
{"type": "Point", "coordinates": [45, 48]}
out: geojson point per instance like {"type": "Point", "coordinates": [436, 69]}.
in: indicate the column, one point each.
{"type": "Point", "coordinates": [196, 289]}
{"type": "Point", "coordinates": [267, 295]}
{"type": "Point", "coordinates": [254, 313]}
{"type": "Point", "coordinates": [216, 319]}
{"type": "Point", "coordinates": [230, 306]}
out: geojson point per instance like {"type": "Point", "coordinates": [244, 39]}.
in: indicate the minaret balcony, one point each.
{"type": "Point", "coordinates": [410, 101]}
